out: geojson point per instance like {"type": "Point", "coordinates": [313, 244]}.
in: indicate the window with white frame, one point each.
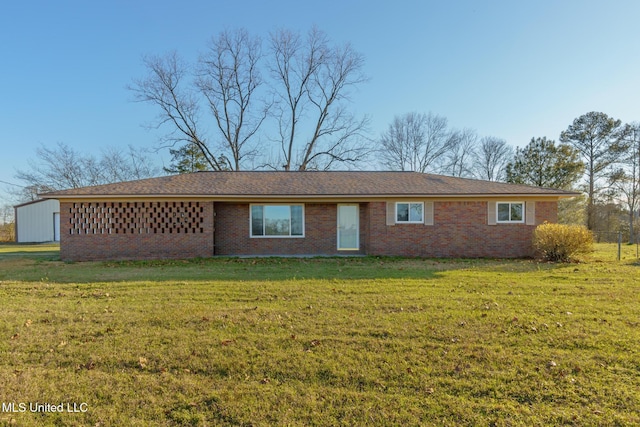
{"type": "Point", "coordinates": [410, 212]}
{"type": "Point", "coordinates": [277, 221]}
{"type": "Point", "coordinates": [510, 212]}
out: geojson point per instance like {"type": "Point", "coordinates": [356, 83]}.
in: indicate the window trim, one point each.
{"type": "Point", "coordinates": [510, 221]}
{"type": "Point", "coordinates": [251, 205]}
{"type": "Point", "coordinates": [409, 206]}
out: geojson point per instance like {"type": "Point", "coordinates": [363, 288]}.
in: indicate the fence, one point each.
{"type": "Point", "coordinates": [618, 237]}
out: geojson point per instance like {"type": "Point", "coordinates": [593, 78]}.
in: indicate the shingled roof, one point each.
{"type": "Point", "coordinates": [306, 184]}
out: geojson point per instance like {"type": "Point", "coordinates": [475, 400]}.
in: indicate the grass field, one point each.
{"type": "Point", "coordinates": [321, 341]}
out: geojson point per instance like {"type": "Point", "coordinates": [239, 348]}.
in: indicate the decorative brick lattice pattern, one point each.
{"type": "Point", "coordinates": [136, 218]}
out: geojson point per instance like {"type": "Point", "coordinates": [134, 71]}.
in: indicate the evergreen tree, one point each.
{"type": "Point", "coordinates": [543, 164]}
{"type": "Point", "coordinates": [600, 141]}
{"type": "Point", "coordinates": [187, 159]}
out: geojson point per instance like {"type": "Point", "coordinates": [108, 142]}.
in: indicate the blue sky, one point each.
{"type": "Point", "coordinates": [511, 69]}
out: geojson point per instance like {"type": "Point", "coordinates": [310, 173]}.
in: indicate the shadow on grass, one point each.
{"type": "Point", "coordinates": [49, 251]}
{"type": "Point", "coordinates": [41, 264]}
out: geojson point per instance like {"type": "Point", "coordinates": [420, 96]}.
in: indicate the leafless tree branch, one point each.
{"type": "Point", "coordinates": [229, 78]}
{"type": "Point", "coordinates": [416, 142]}
{"type": "Point", "coordinates": [313, 79]}
{"type": "Point", "coordinates": [492, 157]}
{"type": "Point", "coordinates": [179, 108]}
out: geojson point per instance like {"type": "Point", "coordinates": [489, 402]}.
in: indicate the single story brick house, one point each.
{"type": "Point", "coordinates": [205, 214]}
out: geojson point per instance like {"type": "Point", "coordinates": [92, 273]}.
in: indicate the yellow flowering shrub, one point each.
{"type": "Point", "coordinates": [560, 242]}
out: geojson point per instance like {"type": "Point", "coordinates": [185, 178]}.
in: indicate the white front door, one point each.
{"type": "Point", "coordinates": [348, 227]}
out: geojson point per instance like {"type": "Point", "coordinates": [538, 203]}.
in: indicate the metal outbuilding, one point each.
{"type": "Point", "coordinates": [38, 221]}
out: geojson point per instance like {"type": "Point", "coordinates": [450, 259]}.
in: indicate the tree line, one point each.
{"type": "Point", "coordinates": [281, 103]}
{"type": "Point", "coordinates": [596, 154]}
{"type": "Point", "coordinates": [425, 143]}
{"type": "Point", "coordinates": [61, 167]}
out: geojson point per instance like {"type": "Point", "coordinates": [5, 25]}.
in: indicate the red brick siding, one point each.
{"type": "Point", "coordinates": [233, 236]}
{"type": "Point", "coordinates": [101, 245]}
{"type": "Point", "coordinates": [460, 230]}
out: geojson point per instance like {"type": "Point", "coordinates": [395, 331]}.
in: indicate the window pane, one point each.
{"type": "Point", "coordinates": [516, 212]}
{"type": "Point", "coordinates": [276, 220]}
{"type": "Point", "coordinates": [256, 220]}
{"type": "Point", "coordinates": [402, 212]}
{"type": "Point", "coordinates": [296, 220]}
{"type": "Point", "coordinates": [503, 211]}
{"type": "Point", "coordinates": [415, 212]}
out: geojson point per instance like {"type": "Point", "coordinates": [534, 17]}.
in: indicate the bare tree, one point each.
{"type": "Point", "coordinates": [62, 167]}
{"type": "Point", "coordinates": [312, 80]}
{"type": "Point", "coordinates": [7, 222]}
{"type": "Point", "coordinates": [292, 68]}
{"type": "Point", "coordinates": [459, 159]}
{"type": "Point", "coordinates": [416, 142]}
{"type": "Point", "coordinates": [396, 141]}
{"type": "Point", "coordinates": [229, 78]}
{"type": "Point", "coordinates": [115, 165]}
{"type": "Point", "coordinates": [165, 87]}
{"type": "Point", "coordinates": [6, 214]}
{"type": "Point", "coordinates": [625, 181]}
{"type": "Point", "coordinates": [28, 193]}
{"type": "Point", "coordinates": [492, 156]}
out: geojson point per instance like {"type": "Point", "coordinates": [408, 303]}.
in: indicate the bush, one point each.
{"type": "Point", "coordinates": [7, 232]}
{"type": "Point", "coordinates": [561, 243]}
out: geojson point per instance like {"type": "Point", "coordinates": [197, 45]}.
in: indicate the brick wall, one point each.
{"type": "Point", "coordinates": [135, 230]}
{"type": "Point", "coordinates": [89, 232]}
{"type": "Point", "coordinates": [233, 237]}
{"type": "Point", "coordinates": [460, 230]}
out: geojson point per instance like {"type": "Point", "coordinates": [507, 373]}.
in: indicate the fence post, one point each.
{"type": "Point", "coordinates": [619, 243]}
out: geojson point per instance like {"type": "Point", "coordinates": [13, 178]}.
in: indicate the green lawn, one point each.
{"type": "Point", "coordinates": [8, 250]}
{"type": "Point", "coordinates": [322, 341]}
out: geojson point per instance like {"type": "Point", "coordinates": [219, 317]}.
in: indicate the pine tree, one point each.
{"type": "Point", "coordinates": [543, 164]}
{"type": "Point", "coordinates": [600, 141]}
{"type": "Point", "coordinates": [187, 159]}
